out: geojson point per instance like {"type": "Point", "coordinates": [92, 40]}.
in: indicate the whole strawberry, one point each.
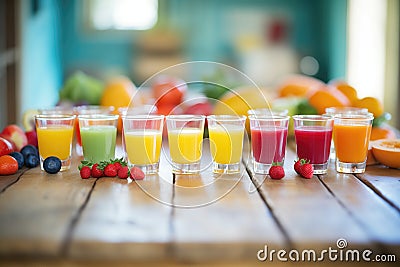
{"type": "Point", "coordinates": [96, 172]}
{"type": "Point", "coordinates": [110, 170]}
{"type": "Point", "coordinates": [137, 173]}
{"type": "Point", "coordinates": [276, 171]}
{"type": "Point", "coordinates": [85, 172]}
{"type": "Point", "coordinates": [306, 170]}
{"type": "Point", "coordinates": [298, 164]}
{"type": "Point", "coordinates": [123, 172]}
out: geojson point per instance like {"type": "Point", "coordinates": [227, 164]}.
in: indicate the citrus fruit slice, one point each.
{"type": "Point", "coordinates": [387, 152]}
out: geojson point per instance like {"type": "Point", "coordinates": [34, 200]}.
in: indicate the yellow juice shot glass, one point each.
{"type": "Point", "coordinates": [55, 134]}
{"type": "Point", "coordinates": [351, 133]}
{"type": "Point", "coordinates": [226, 134]}
{"type": "Point", "coordinates": [185, 138]}
{"type": "Point", "coordinates": [143, 137]}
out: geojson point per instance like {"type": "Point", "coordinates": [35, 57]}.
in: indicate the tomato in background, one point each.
{"type": "Point", "coordinates": [202, 108]}
{"type": "Point", "coordinates": [168, 91]}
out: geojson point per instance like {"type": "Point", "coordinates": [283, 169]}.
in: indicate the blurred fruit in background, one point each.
{"type": "Point", "coordinates": [5, 147]}
{"type": "Point", "coordinates": [118, 93]}
{"type": "Point", "coordinates": [28, 119]}
{"type": "Point", "coordinates": [15, 135]}
{"type": "Point", "coordinates": [382, 133]}
{"type": "Point", "coordinates": [82, 88]}
{"type": "Point", "coordinates": [327, 96]}
{"type": "Point", "coordinates": [346, 89]}
{"type": "Point", "coordinates": [168, 91]}
{"type": "Point", "coordinates": [372, 104]}
{"type": "Point", "coordinates": [298, 86]}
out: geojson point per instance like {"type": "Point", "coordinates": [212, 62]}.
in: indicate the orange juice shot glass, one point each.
{"type": "Point", "coordinates": [55, 134]}
{"type": "Point", "coordinates": [351, 133]}
{"type": "Point", "coordinates": [333, 111]}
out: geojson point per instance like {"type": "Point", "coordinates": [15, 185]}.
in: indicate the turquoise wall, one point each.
{"type": "Point", "coordinates": [318, 30]}
{"type": "Point", "coordinates": [41, 55]}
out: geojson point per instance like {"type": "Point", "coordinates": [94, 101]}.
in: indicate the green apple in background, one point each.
{"type": "Point", "coordinates": [81, 87]}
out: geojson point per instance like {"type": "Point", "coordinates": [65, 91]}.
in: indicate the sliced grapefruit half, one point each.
{"type": "Point", "coordinates": [387, 152]}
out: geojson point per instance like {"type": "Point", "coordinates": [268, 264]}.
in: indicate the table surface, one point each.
{"type": "Point", "coordinates": [223, 219]}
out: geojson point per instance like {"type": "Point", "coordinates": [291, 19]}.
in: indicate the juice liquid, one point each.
{"type": "Point", "coordinates": [269, 144]}
{"type": "Point", "coordinates": [185, 145]}
{"type": "Point", "coordinates": [55, 141]}
{"type": "Point", "coordinates": [98, 142]}
{"type": "Point", "coordinates": [226, 143]}
{"type": "Point", "coordinates": [143, 146]}
{"type": "Point", "coordinates": [351, 142]}
{"type": "Point", "coordinates": [313, 143]}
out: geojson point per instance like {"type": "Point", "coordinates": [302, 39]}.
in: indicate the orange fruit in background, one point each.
{"type": "Point", "coordinates": [346, 89]}
{"type": "Point", "coordinates": [327, 96]}
{"type": "Point", "coordinates": [298, 85]}
{"type": "Point", "coordinates": [387, 152]}
{"type": "Point", "coordinates": [382, 133]}
{"type": "Point", "coordinates": [372, 104]}
{"type": "Point", "coordinates": [118, 93]}
{"type": "Point", "coordinates": [8, 165]}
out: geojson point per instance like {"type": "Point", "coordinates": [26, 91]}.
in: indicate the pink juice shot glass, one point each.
{"type": "Point", "coordinates": [313, 134]}
{"type": "Point", "coordinates": [268, 139]}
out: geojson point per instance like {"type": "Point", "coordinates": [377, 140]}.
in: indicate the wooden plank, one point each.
{"type": "Point", "coordinates": [385, 182]}
{"type": "Point", "coordinates": [36, 212]}
{"type": "Point", "coordinates": [310, 215]}
{"type": "Point", "coordinates": [125, 220]}
{"type": "Point", "coordinates": [380, 220]}
{"type": "Point", "coordinates": [9, 180]}
{"type": "Point", "coordinates": [220, 217]}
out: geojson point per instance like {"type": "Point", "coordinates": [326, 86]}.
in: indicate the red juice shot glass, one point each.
{"type": "Point", "coordinates": [313, 134]}
{"type": "Point", "coordinates": [268, 140]}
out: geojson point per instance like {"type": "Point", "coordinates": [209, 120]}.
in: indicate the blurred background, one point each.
{"type": "Point", "coordinates": [43, 43]}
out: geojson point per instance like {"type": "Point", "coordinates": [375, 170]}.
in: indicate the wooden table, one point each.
{"type": "Point", "coordinates": [204, 219]}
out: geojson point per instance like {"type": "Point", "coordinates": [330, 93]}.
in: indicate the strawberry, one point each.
{"type": "Point", "coordinates": [306, 170]}
{"type": "Point", "coordinates": [85, 172]}
{"type": "Point", "coordinates": [96, 171]}
{"type": "Point", "coordinates": [298, 163]}
{"type": "Point", "coordinates": [137, 173]}
{"type": "Point", "coordinates": [123, 172]}
{"type": "Point", "coordinates": [110, 170]}
{"type": "Point", "coordinates": [117, 165]}
{"type": "Point", "coordinates": [276, 171]}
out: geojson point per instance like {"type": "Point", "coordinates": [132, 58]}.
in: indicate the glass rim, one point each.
{"type": "Point", "coordinates": [59, 110]}
{"type": "Point", "coordinates": [185, 117]}
{"type": "Point", "coordinates": [125, 110]}
{"type": "Point", "coordinates": [98, 117]}
{"type": "Point", "coordinates": [368, 116]}
{"type": "Point", "coordinates": [347, 110]}
{"type": "Point", "coordinates": [266, 117]}
{"type": "Point", "coordinates": [142, 117]}
{"type": "Point", "coordinates": [267, 110]}
{"type": "Point", "coordinates": [227, 117]}
{"type": "Point", "coordinates": [323, 117]}
{"type": "Point", "coordinates": [55, 116]}
{"type": "Point", "coordinates": [93, 107]}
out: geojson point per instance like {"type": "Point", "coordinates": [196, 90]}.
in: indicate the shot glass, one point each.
{"type": "Point", "coordinates": [87, 110]}
{"type": "Point", "coordinates": [226, 134]}
{"type": "Point", "coordinates": [268, 141]}
{"type": "Point", "coordinates": [98, 134]}
{"type": "Point", "coordinates": [185, 138]}
{"type": "Point", "coordinates": [55, 134]}
{"type": "Point", "coordinates": [313, 134]}
{"type": "Point", "coordinates": [333, 111]}
{"type": "Point", "coordinates": [351, 138]}
{"type": "Point", "coordinates": [143, 137]}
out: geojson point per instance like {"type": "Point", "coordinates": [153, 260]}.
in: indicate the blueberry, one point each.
{"type": "Point", "coordinates": [29, 149]}
{"type": "Point", "coordinates": [52, 165]}
{"type": "Point", "coordinates": [19, 157]}
{"type": "Point", "coordinates": [31, 160]}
